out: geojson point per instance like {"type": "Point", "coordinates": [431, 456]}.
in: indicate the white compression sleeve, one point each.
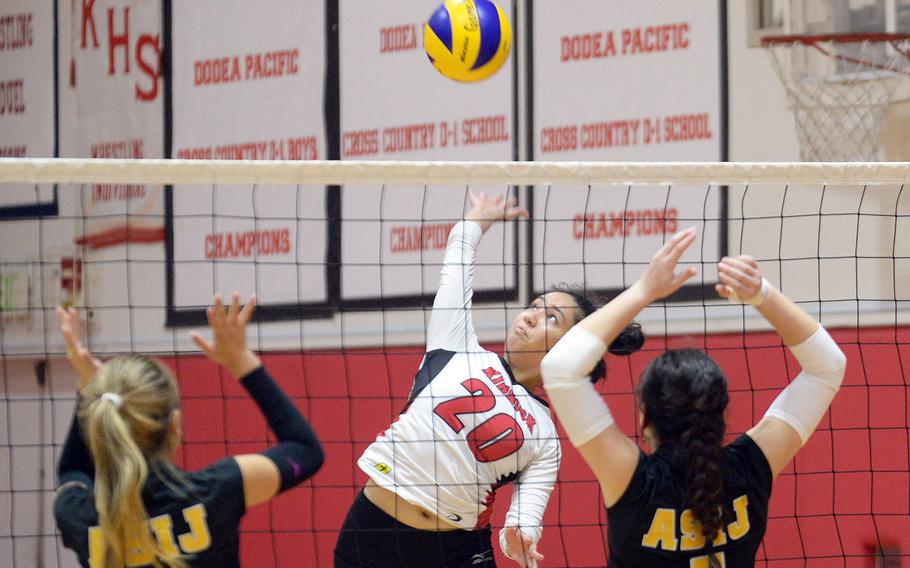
{"type": "Point", "coordinates": [804, 402]}
{"type": "Point", "coordinates": [565, 370]}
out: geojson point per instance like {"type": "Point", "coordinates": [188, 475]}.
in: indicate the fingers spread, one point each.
{"type": "Point", "coordinates": [686, 238]}
{"type": "Point", "coordinates": [247, 312]}
{"type": "Point", "coordinates": [680, 278]}
{"type": "Point", "coordinates": [204, 345]}
{"type": "Point", "coordinates": [235, 305]}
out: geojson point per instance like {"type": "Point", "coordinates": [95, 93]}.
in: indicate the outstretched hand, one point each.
{"type": "Point", "coordinates": [660, 279]}
{"type": "Point", "coordinates": [740, 278]}
{"type": "Point", "coordinates": [80, 358]}
{"type": "Point", "coordinates": [486, 210]}
{"type": "Point", "coordinates": [521, 548]}
{"type": "Point", "coordinates": [228, 346]}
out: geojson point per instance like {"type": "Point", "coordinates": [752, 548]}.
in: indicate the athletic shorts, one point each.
{"type": "Point", "coordinates": [372, 539]}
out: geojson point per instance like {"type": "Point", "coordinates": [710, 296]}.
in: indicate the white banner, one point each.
{"type": "Point", "coordinates": [26, 98]}
{"type": "Point", "coordinates": [645, 83]}
{"type": "Point", "coordinates": [250, 87]}
{"type": "Point", "coordinates": [115, 82]}
{"type": "Point", "coordinates": [396, 106]}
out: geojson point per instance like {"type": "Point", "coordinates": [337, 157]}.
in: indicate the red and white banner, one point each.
{"type": "Point", "coordinates": [621, 81]}
{"type": "Point", "coordinates": [26, 93]}
{"type": "Point", "coordinates": [114, 81]}
{"type": "Point", "coordinates": [248, 85]}
{"type": "Point", "coordinates": [396, 106]}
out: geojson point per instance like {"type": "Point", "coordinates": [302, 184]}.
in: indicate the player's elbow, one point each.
{"type": "Point", "coordinates": [837, 368]}
{"type": "Point", "coordinates": [554, 372]}
{"type": "Point", "coordinates": [317, 457]}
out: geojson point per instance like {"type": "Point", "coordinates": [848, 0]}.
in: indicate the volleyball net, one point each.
{"type": "Point", "coordinates": [344, 258]}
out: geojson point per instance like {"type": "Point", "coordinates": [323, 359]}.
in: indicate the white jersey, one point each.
{"type": "Point", "coordinates": [468, 427]}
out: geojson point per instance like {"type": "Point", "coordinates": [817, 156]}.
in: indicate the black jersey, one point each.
{"type": "Point", "coordinates": [200, 518]}
{"type": "Point", "coordinates": [652, 524]}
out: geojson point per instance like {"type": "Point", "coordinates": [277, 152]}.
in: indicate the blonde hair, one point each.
{"type": "Point", "coordinates": [126, 436]}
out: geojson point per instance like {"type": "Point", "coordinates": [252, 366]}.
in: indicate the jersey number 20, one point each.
{"type": "Point", "coordinates": [493, 439]}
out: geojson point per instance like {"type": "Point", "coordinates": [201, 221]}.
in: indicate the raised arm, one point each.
{"type": "Point", "coordinates": [298, 454]}
{"type": "Point", "coordinates": [75, 461]}
{"type": "Point", "coordinates": [451, 326]}
{"type": "Point", "coordinates": [610, 454]}
{"type": "Point", "coordinates": [796, 412]}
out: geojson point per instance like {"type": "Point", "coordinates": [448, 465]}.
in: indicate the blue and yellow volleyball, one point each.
{"type": "Point", "coordinates": [468, 40]}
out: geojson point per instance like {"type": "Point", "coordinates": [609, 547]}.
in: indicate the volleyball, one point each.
{"type": "Point", "coordinates": [467, 40]}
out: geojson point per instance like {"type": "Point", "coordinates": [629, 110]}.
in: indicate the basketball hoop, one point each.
{"type": "Point", "coordinates": [838, 86]}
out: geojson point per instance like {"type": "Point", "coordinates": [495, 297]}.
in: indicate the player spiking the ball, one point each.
{"type": "Point", "coordinates": [472, 423]}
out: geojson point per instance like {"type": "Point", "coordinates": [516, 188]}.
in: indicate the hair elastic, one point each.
{"type": "Point", "coordinates": [113, 398]}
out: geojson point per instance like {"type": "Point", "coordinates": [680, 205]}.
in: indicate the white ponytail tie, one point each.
{"type": "Point", "coordinates": [113, 398]}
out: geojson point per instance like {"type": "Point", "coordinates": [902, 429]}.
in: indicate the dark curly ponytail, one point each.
{"type": "Point", "coordinates": [629, 340]}
{"type": "Point", "coordinates": [684, 395]}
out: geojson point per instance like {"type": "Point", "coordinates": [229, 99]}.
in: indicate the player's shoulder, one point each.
{"type": "Point", "coordinates": [744, 450]}
{"type": "Point", "coordinates": [746, 459]}
{"type": "Point", "coordinates": [224, 470]}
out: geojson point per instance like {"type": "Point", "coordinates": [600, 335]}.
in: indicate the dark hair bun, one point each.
{"type": "Point", "coordinates": [629, 340]}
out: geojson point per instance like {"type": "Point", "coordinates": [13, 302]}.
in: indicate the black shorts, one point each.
{"type": "Point", "coordinates": [372, 539]}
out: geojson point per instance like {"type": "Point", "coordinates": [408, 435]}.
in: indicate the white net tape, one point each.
{"type": "Point", "coordinates": [74, 170]}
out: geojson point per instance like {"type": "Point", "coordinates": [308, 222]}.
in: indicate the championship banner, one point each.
{"type": "Point", "coordinates": [114, 83]}
{"type": "Point", "coordinates": [27, 105]}
{"type": "Point", "coordinates": [396, 106]}
{"type": "Point", "coordinates": [646, 83]}
{"type": "Point", "coordinates": [248, 82]}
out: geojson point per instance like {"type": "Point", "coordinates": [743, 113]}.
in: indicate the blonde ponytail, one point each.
{"type": "Point", "coordinates": [125, 417]}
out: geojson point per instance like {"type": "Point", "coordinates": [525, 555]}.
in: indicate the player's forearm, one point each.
{"type": "Point", "coordinates": [608, 321]}
{"type": "Point", "coordinates": [299, 455]}
{"type": "Point", "coordinates": [790, 321]}
{"type": "Point", "coordinates": [283, 417]}
{"type": "Point", "coordinates": [527, 509]}
{"type": "Point", "coordinates": [804, 402]}
{"type": "Point", "coordinates": [451, 316]}
{"type": "Point", "coordinates": [458, 261]}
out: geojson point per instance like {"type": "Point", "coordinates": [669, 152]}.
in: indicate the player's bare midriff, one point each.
{"type": "Point", "coordinates": [404, 512]}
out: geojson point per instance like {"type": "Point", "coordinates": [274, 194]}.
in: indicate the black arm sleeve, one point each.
{"type": "Point", "coordinates": [298, 454]}
{"type": "Point", "coordinates": [75, 460]}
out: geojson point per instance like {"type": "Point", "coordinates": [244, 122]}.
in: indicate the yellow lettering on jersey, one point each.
{"type": "Point", "coordinates": [138, 556]}
{"type": "Point", "coordinates": [740, 527]}
{"type": "Point", "coordinates": [662, 531]}
{"type": "Point", "coordinates": [95, 548]}
{"type": "Point", "coordinates": [721, 537]}
{"type": "Point", "coordinates": [163, 528]}
{"type": "Point", "coordinates": [702, 561]}
{"type": "Point", "coordinates": [692, 537]}
{"type": "Point", "coordinates": [198, 539]}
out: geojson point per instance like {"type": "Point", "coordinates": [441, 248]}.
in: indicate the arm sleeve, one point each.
{"type": "Point", "coordinates": [564, 370]}
{"type": "Point", "coordinates": [532, 493]}
{"type": "Point", "coordinates": [298, 454]}
{"type": "Point", "coordinates": [804, 402]}
{"type": "Point", "coordinates": [451, 326]}
{"type": "Point", "coordinates": [75, 461]}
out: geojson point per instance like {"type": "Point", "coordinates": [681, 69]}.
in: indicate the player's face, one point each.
{"type": "Point", "coordinates": [539, 326]}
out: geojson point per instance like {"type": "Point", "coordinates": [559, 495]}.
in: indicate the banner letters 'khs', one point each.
{"type": "Point", "coordinates": [146, 50]}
